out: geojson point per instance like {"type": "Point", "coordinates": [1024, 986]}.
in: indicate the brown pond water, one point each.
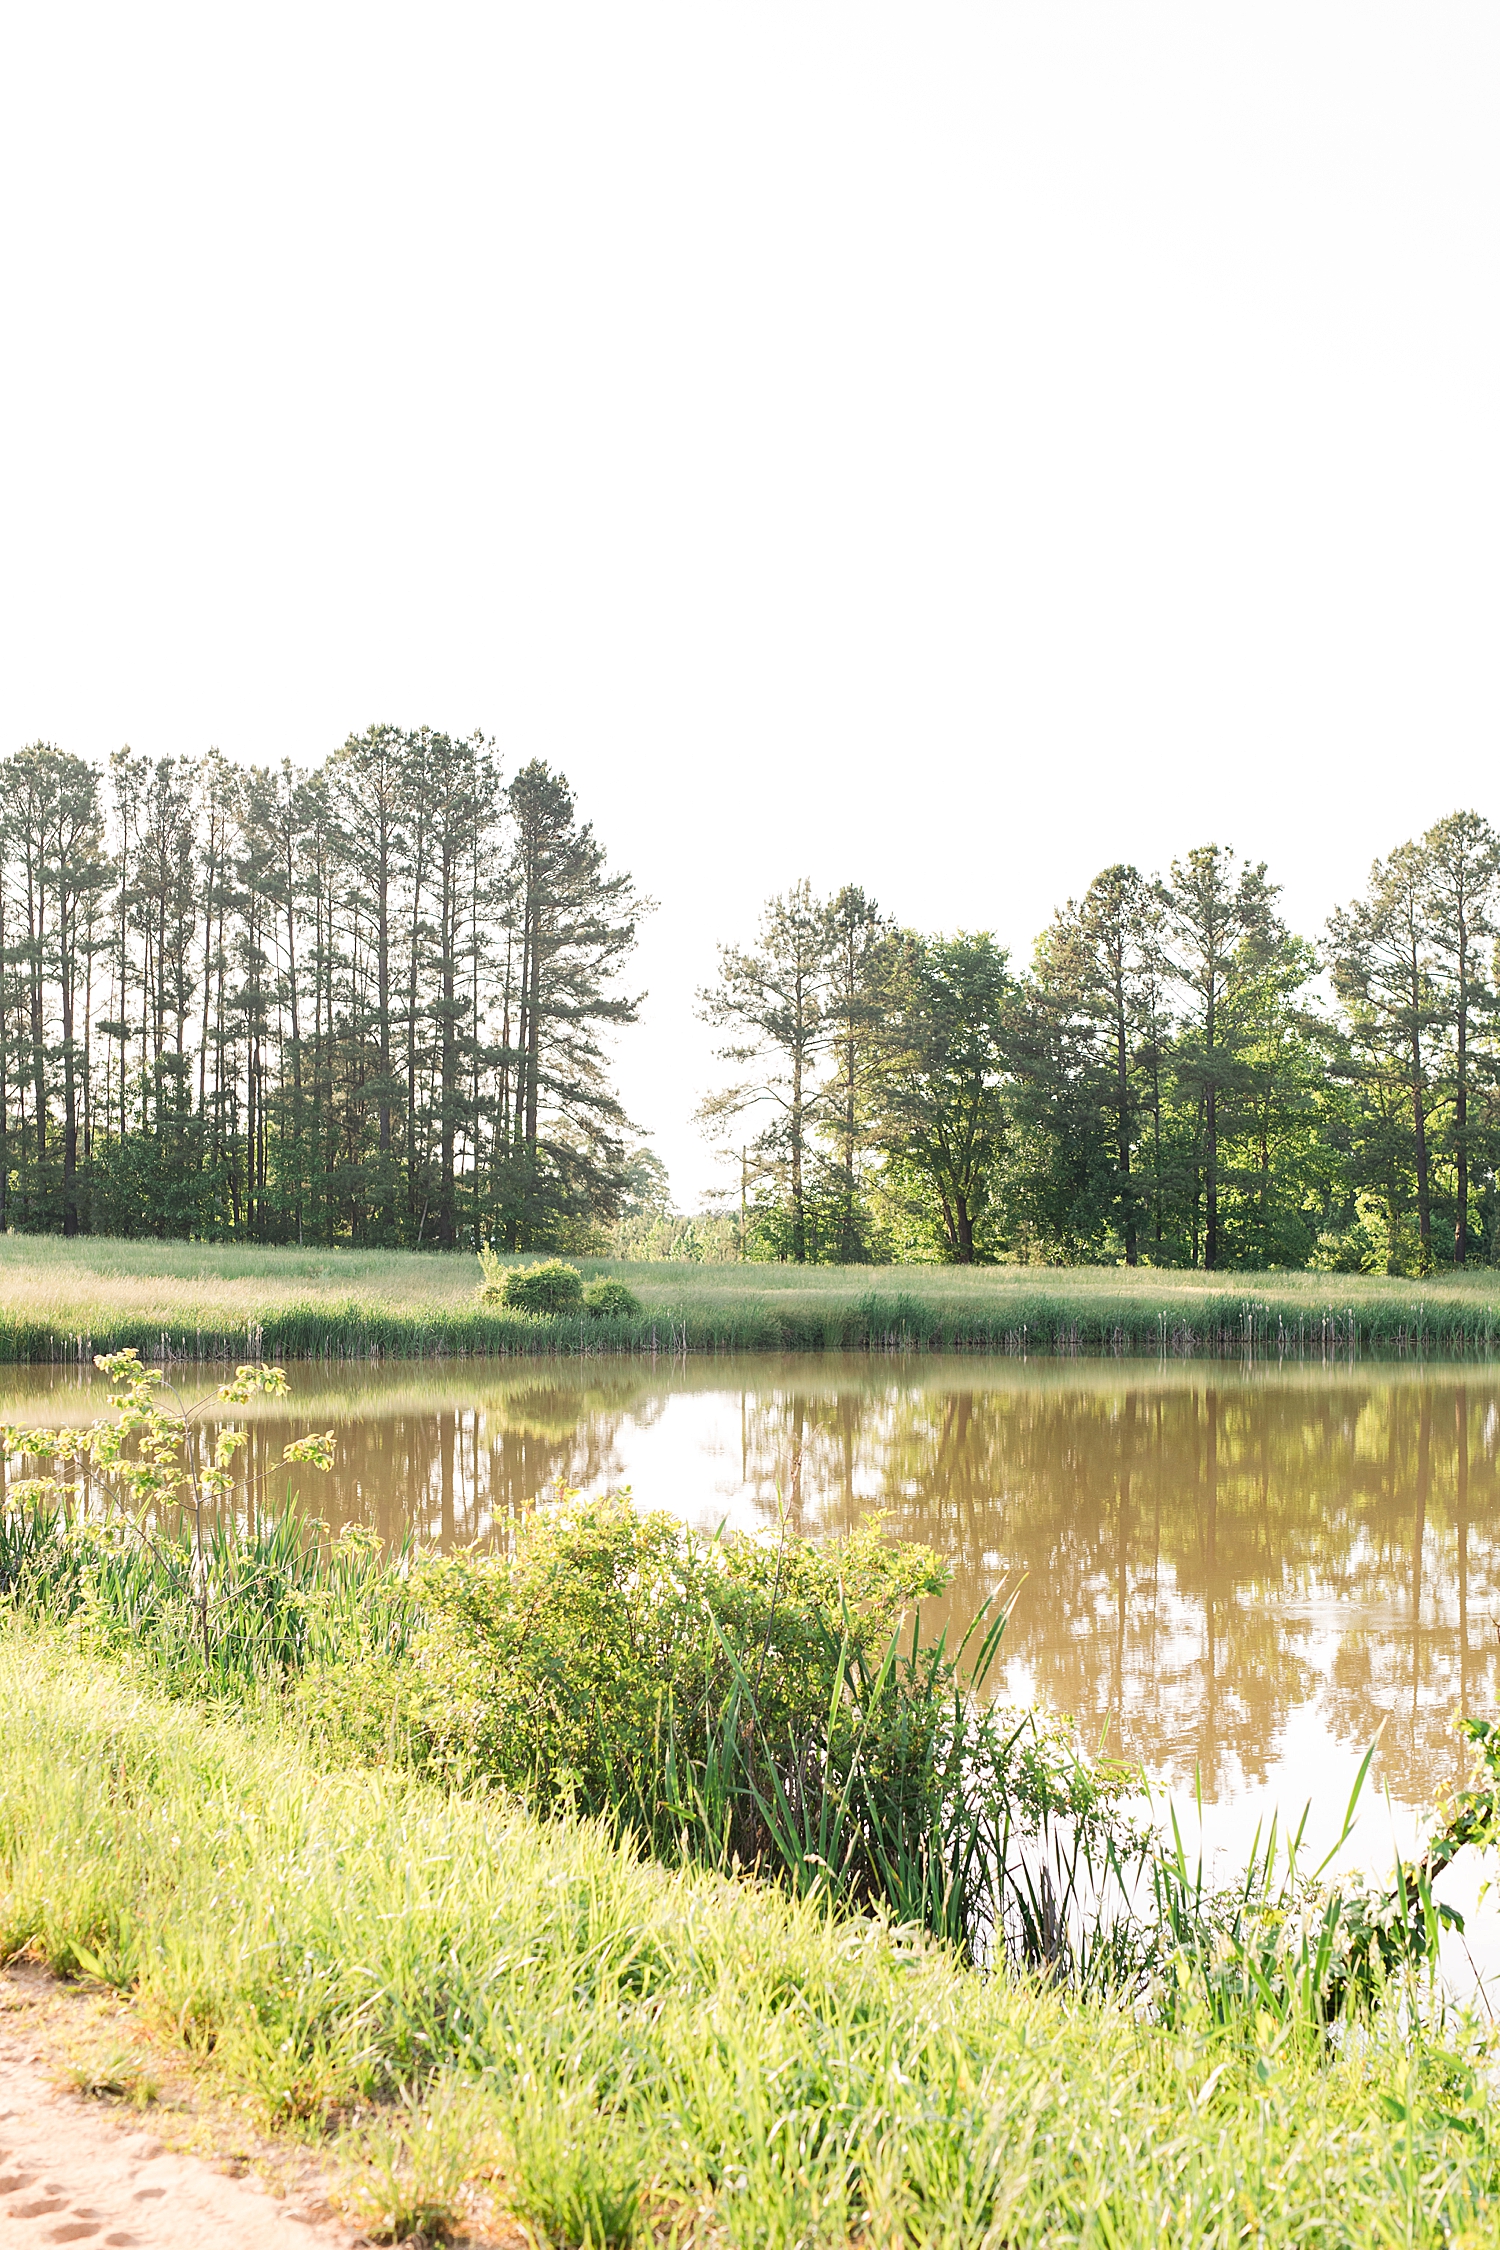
{"type": "Point", "coordinates": [1242, 1575]}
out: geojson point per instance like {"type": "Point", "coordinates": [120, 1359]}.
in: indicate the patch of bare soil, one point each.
{"type": "Point", "coordinates": [148, 2159]}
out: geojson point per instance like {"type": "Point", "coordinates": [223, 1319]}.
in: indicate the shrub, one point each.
{"type": "Point", "coordinates": [549, 1291]}
{"type": "Point", "coordinates": [610, 1300]}
{"type": "Point", "coordinates": [740, 1702]}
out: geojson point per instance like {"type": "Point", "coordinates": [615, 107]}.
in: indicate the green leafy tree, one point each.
{"type": "Point", "coordinates": [1382, 969]}
{"type": "Point", "coordinates": [944, 1052]}
{"type": "Point", "coordinates": [773, 1000]}
{"type": "Point", "coordinates": [1058, 1173]}
{"type": "Point", "coordinates": [1219, 930]}
{"type": "Point", "coordinates": [1086, 1065]}
{"type": "Point", "coordinates": [1285, 1172]}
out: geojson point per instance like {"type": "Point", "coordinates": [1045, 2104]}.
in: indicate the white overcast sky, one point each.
{"type": "Point", "coordinates": [946, 447]}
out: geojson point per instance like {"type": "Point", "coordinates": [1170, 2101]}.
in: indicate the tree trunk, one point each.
{"type": "Point", "coordinates": [1122, 1075]}
{"type": "Point", "coordinates": [1461, 1116]}
{"type": "Point", "coordinates": [70, 1091]}
{"type": "Point", "coordinates": [799, 1215]}
{"type": "Point", "coordinates": [1211, 1178]}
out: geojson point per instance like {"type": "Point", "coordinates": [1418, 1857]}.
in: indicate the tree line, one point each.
{"type": "Point", "coordinates": [364, 1002]}
{"type": "Point", "coordinates": [1176, 1079]}
{"type": "Point", "coordinates": [370, 1001]}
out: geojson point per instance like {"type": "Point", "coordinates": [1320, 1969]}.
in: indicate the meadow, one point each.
{"type": "Point", "coordinates": [66, 1299]}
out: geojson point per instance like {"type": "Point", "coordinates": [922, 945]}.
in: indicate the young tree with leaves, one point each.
{"type": "Point", "coordinates": [943, 1056]}
{"type": "Point", "coordinates": [773, 1002]}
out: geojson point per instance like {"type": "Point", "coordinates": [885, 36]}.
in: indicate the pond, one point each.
{"type": "Point", "coordinates": [1237, 1577]}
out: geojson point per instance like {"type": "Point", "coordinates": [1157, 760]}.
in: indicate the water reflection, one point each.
{"type": "Point", "coordinates": [1213, 1560]}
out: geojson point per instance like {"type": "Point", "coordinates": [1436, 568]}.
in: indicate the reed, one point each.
{"type": "Point", "coordinates": [278, 1596]}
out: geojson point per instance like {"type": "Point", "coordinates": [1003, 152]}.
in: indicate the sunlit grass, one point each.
{"type": "Point", "coordinates": [66, 1299]}
{"type": "Point", "coordinates": [443, 1984]}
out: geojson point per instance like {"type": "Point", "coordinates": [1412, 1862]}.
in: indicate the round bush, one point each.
{"type": "Point", "coordinates": [610, 1300]}
{"type": "Point", "coordinates": [550, 1291]}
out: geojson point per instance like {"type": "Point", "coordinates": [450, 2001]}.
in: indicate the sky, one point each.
{"type": "Point", "coordinates": [948, 447]}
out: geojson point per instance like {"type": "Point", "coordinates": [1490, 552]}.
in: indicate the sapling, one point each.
{"type": "Point", "coordinates": [164, 1457]}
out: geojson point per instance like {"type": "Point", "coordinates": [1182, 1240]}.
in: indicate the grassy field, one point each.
{"type": "Point", "coordinates": [447, 1987]}
{"type": "Point", "coordinates": [65, 1300]}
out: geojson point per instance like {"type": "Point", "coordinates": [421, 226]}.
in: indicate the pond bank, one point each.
{"type": "Point", "coordinates": [63, 1301]}
{"type": "Point", "coordinates": [448, 1988]}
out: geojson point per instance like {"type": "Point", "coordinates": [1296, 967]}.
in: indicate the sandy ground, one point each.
{"type": "Point", "coordinates": [184, 2172]}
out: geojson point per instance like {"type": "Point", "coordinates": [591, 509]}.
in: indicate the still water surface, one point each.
{"type": "Point", "coordinates": [1238, 1575]}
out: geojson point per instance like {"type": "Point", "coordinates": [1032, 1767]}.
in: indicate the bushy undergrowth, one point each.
{"type": "Point", "coordinates": [749, 1706]}
{"type": "Point", "coordinates": [553, 1290]}
{"type": "Point", "coordinates": [738, 1703]}
{"type": "Point", "coordinates": [456, 1987]}
{"type": "Point", "coordinates": [746, 1703]}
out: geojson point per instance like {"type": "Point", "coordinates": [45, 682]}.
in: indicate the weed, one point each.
{"type": "Point", "coordinates": [577, 2172]}
{"type": "Point", "coordinates": [119, 2073]}
{"type": "Point", "coordinates": [405, 2171]}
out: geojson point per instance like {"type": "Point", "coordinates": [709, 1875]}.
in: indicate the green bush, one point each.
{"type": "Point", "coordinates": [734, 1701]}
{"type": "Point", "coordinates": [610, 1300]}
{"type": "Point", "coordinates": [549, 1291]}
{"type": "Point", "coordinates": [552, 1669]}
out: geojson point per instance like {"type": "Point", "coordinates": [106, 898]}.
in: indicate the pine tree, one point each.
{"type": "Point", "coordinates": [572, 924]}
{"type": "Point", "coordinates": [1461, 867]}
{"type": "Point", "coordinates": [1383, 972]}
{"type": "Point", "coordinates": [1219, 929]}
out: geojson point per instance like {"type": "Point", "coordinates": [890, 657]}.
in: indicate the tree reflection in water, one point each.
{"type": "Point", "coordinates": [1208, 1552]}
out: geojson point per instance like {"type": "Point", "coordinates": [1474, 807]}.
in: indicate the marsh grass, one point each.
{"type": "Point", "coordinates": [665, 2051]}
{"type": "Point", "coordinates": [66, 1300]}
{"type": "Point", "coordinates": [277, 1595]}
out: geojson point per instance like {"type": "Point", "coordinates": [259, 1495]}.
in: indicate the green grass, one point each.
{"type": "Point", "coordinates": [64, 1301]}
{"type": "Point", "coordinates": [449, 1986]}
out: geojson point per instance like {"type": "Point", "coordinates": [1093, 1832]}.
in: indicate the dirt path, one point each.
{"type": "Point", "coordinates": [180, 2167]}
{"type": "Point", "coordinates": [78, 2169]}
{"type": "Point", "coordinates": [71, 2176]}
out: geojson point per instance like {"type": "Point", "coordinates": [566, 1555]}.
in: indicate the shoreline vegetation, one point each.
{"type": "Point", "coordinates": [62, 1301]}
{"type": "Point", "coordinates": [680, 1890]}
{"type": "Point", "coordinates": [440, 1988]}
